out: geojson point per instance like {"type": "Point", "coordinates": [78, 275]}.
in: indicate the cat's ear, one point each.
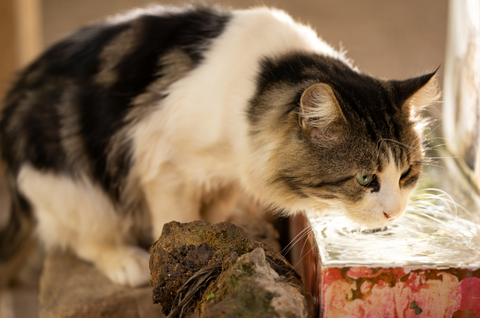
{"type": "Point", "coordinates": [319, 109]}
{"type": "Point", "coordinates": [415, 93]}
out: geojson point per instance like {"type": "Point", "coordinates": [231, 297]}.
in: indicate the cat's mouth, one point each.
{"type": "Point", "coordinates": [385, 229]}
{"type": "Point", "coordinates": [390, 217]}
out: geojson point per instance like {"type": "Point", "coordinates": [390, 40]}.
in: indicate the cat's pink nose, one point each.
{"type": "Point", "coordinates": [388, 216]}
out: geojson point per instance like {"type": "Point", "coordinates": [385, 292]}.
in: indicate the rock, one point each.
{"type": "Point", "coordinates": [251, 288]}
{"type": "Point", "coordinates": [72, 288]}
{"type": "Point", "coordinates": [189, 257]}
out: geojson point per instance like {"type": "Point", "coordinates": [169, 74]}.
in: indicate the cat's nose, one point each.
{"type": "Point", "coordinates": [389, 216]}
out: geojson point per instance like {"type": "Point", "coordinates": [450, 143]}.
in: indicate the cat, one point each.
{"type": "Point", "coordinates": [168, 114]}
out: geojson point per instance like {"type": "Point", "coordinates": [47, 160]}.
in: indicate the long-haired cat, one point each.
{"type": "Point", "coordinates": [163, 113]}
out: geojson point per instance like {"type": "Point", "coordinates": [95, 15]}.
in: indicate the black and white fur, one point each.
{"type": "Point", "coordinates": [164, 113]}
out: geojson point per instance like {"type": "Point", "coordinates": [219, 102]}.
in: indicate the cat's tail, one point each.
{"type": "Point", "coordinates": [16, 238]}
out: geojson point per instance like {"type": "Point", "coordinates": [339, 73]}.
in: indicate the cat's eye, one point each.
{"type": "Point", "coordinates": [365, 179]}
{"type": "Point", "coordinates": [405, 171]}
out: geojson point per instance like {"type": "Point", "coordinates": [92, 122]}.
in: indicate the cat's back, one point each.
{"type": "Point", "coordinates": [78, 93]}
{"type": "Point", "coordinates": [70, 109]}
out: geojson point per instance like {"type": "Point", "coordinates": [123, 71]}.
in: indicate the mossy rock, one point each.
{"type": "Point", "coordinates": [251, 288]}
{"type": "Point", "coordinates": [206, 251]}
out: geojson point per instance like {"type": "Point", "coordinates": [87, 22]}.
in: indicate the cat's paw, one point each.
{"type": "Point", "coordinates": [129, 267]}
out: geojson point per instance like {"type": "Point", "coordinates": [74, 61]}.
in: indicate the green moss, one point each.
{"type": "Point", "coordinates": [234, 280]}
{"type": "Point", "coordinates": [253, 300]}
{"type": "Point", "coordinates": [210, 296]}
{"type": "Point", "coordinates": [249, 270]}
{"type": "Point", "coordinates": [246, 269]}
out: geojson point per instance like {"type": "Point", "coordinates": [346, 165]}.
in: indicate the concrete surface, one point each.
{"type": "Point", "coordinates": [72, 288]}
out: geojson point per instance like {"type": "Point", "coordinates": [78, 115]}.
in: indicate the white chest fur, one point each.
{"type": "Point", "coordinates": [201, 126]}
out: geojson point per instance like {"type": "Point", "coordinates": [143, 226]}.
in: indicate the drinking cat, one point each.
{"type": "Point", "coordinates": [161, 114]}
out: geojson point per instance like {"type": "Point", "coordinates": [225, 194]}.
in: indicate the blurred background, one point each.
{"type": "Point", "coordinates": [385, 38]}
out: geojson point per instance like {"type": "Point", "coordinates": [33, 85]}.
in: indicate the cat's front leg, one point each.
{"type": "Point", "coordinates": [78, 215]}
{"type": "Point", "coordinates": [171, 198]}
{"type": "Point", "coordinates": [124, 264]}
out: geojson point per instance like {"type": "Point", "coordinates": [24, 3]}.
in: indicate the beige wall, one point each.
{"type": "Point", "coordinates": [8, 59]}
{"type": "Point", "coordinates": [21, 37]}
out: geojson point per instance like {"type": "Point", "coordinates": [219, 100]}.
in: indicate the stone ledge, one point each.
{"type": "Point", "coordinates": [72, 288]}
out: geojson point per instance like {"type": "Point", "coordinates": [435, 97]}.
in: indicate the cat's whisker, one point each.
{"type": "Point", "coordinates": [305, 243]}
{"type": "Point", "coordinates": [306, 254]}
{"type": "Point", "coordinates": [447, 199]}
{"type": "Point", "coordinates": [420, 211]}
{"type": "Point", "coordinates": [432, 130]}
{"type": "Point", "coordinates": [305, 232]}
{"type": "Point", "coordinates": [449, 157]}
{"type": "Point", "coordinates": [433, 165]}
{"type": "Point", "coordinates": [409, 149]}
{"type": "Point", "coordinates": [424, 200]}
{"type": "Point", "coordinates": [431, 137]}
{"type": "Point", "coordinates": [436, 146]}
{"type": "Point", "coordinates": [399, 143]}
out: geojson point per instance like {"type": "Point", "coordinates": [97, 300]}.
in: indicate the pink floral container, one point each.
{"type": "Point", "coordinates": [357, 291]}
{"type": "Point", "coordinates": [400, 292]}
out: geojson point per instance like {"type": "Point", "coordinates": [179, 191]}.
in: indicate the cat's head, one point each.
{"type": "Point", "coordinates": [344, 140]}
